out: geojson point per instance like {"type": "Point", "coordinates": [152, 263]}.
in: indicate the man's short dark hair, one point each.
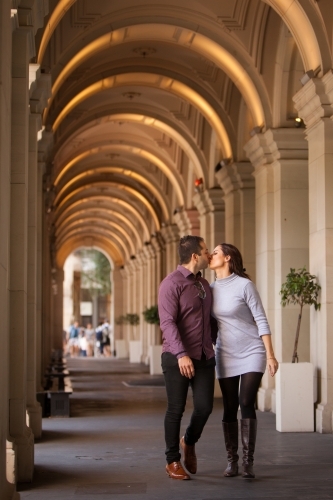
{"type": "Point", "coordinates": [187, 246]}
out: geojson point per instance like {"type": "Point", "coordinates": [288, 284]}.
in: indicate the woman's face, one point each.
{"type": "Point", "coordinates": [218, 259]}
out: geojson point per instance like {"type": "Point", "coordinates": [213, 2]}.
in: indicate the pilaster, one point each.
{"type": "Point", "coordinates": [314, 103]}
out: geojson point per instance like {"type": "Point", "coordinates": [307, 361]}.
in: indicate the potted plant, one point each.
{"type": "Point", "coordinates": [300, 288]}
{"type": "Point", "coordinates": [151, 316]}
{"type": "Point", "coordinates": [294, 381]}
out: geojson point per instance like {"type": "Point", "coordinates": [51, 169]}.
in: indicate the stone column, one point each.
{"type": "Point", "coordinates": [33, 407]}
{"type": "Point", "coordinates": [210, 206]}
{"type": "Point", "coordinates": [39, 92]}
{"type": "Point", "coordinates": [57, 310]}
{"type": "Point", "coordinates": [21, 435]}
{"type": "Point", "coordinates": [157, 276]}
{"type": "Point", "coordinates": [44, 144]}
{"type": "Point", "coordinates": [279, 159]}
{"type": "Point", "coordinates": [142, 281]}
{"type": "Point", "coordinates": [7, 489]}
{"type": "Point", "coordinates": [237, 182]}
{"type": "Point", "coordinates": [314, 104]}
{"type": "Point", "coordinates": [188, 222]}
{"type": "Point", "coordinates": [118, 301]}
{"type": "Point", "coordinates": [47, 299]}
{"type": "Point", "coordinates": [171, 237]}
{"type": "Point", "coordinates": [124, 271]}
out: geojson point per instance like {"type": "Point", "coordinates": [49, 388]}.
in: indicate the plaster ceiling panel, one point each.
{"type": "Point", "coordinates": [143, 95]}
{"type": "Point", "coordinates": [108, 129]}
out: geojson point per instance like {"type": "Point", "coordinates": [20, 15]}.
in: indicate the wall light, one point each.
{"type": "Point", "coordinates": [299, 122]}
{"type": "Point", "coordinates": [223, 163]}
{"type": "Point", "coordinates": [199, 185]}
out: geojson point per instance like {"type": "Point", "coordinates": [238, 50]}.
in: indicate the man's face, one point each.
{"type": "Point", "coordinates": [204, 256]}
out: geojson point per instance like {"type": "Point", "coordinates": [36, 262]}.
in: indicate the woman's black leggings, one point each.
{"type": "Point", "coordinates": [241, 394]}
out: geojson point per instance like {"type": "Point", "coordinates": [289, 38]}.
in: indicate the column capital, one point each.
{"type": "Point", "coordinates": [209, 200]}
{"type": "Point", "coordinates": [40, 88]}
{"type": "Point", "coordinates": [157, 243]}
{"type": "Point", "coordinates": [170, 233]}
{"type": "Point", "coordinates": [276, 144]}
{"type": "Point", "coordinates": [32, 13]}
{"type": "Point", "coordinates": [141, 258]}
{"type": "Point", "coordinates": [235, 176]}
{"type": "Point", "coordinates": [315, 100]}
{"type": "Point", "coordinates": [188, 221]}
{"type": "Point", "coordinates": [149, 251]}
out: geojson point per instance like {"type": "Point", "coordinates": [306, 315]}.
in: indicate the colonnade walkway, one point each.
{"type": "Point", "coordinates": [112, 447]}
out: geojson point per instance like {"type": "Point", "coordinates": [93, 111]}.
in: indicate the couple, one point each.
{"type": "Point", "coordinates": [189, 308]}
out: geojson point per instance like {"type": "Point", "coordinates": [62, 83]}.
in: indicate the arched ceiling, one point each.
{"type": "Point", "coordinates": [146, 98]}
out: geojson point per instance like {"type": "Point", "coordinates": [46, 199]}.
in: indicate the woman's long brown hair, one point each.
{"type": "Point", "coordinates": [236, 260]}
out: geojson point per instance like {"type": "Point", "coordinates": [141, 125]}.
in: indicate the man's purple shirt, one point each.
{"type": "Point", "coordinates": [185, 318]}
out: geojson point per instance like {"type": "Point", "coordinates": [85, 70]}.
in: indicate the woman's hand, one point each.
{"type": "Point", "coordinates": [272, 365]}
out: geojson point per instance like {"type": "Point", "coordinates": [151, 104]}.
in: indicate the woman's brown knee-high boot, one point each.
{"type": "Point", "coordinates": [249, 434]}
{"type": "Point", "coordinates": [230, 431]}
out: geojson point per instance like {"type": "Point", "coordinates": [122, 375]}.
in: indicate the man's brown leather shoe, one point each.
{"type": "Point", "coordinates": [190, 458]}
{"type": "Point", "coordinates": [176, 471]}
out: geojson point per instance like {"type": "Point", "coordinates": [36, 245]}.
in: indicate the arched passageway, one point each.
{"type": "Point", "coordinates": [124, 127]}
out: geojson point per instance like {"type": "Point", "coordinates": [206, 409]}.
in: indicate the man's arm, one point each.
{"type": "Point", "coordinates": [168, 306]}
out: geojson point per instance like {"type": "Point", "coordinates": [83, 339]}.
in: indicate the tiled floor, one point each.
{"type": "Point", "coordinates": [112, 448]}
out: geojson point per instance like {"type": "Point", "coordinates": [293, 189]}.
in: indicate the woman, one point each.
{"type": "Point", "coordinates": [243, 348]}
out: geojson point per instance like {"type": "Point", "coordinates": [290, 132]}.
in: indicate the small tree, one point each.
{"type": "Point", "coordinates": [151, 316]}
{"type": "Point", "coordinates": [300, 288]}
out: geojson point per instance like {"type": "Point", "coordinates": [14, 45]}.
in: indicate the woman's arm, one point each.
{"type": "Point", "coordinates": [272, 363]}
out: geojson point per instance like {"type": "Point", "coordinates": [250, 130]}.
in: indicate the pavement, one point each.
{"type": "Point", "coordinates": [112, 447]}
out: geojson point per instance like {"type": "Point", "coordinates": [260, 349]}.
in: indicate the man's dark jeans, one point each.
{"type": "Point", "coordinates": [177, 385]}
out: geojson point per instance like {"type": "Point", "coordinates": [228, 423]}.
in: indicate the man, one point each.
{"type": "Point", "coordinates": [184, 304]}
{"type": "Point", "coordinates": [73, 341]}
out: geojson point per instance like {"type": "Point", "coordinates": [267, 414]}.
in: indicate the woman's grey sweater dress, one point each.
{"type": "Point", "coordinates": [241, 321]}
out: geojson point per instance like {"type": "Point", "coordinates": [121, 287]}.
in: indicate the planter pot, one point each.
{"type": "Point", "coordinates": [135, 351]}
{"type": "Point", "coordinates": [121, 349]}
{"type": "Point", "coordinates": [294, 398]}
{"type": "Point", "coordinates": [155, 353]}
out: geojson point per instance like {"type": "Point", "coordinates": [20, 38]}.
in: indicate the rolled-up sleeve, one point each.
{"type": "Point", "coordinates": [168, 303]}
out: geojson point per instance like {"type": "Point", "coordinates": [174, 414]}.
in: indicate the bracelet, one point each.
{"type": "Point", "coordinates": [272, 357]}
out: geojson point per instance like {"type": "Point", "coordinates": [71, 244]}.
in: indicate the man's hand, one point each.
{"type": "Point", "coordinates": [186, 366]}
